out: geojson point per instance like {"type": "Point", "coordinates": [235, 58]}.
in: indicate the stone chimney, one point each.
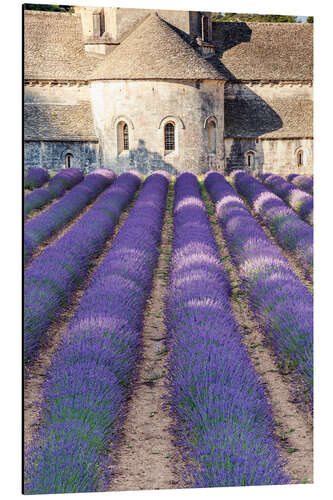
{"type": "Point", "coordinates": [97, 28]}
{"type": "Point", "coordinates": [204, 42]}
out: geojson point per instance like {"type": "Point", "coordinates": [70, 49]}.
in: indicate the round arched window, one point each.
{"type": "Point", "coordinates": [250, 159]}
{"type": "Point", "coordinates": [300, 158]}
{"type": "Point", "coordinates": [169, 137]}
{"type": "Point", "coordinates": [69, 160]}
{"type": "Point", "coordinates": [211, 137]}
{"type": "Point", "coordinates": [122, 137]}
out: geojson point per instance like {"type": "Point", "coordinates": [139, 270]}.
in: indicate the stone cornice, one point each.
{"type": "Point", "coordinates": [268, 138]}
{"type": "Point", "coordinates": [32, 82]}
{"type": "Point", "coordinates": [273, 83]}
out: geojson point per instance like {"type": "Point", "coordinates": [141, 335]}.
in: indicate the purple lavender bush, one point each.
{"type": "Point", "coordinates": [297, 199]}
{"type": "Point", "coordinates": [282, 305]}
{"type": "Point", "coordinates": [66, 179]}
{"type": "Point", "coordinates": [58, 215]}
{"type": "Point", "coordinates": [57, 272]}
{"type": "Point", "coordinates": [290, 232]}
{"type": "Point", "coordinates": [90, 375]}
{"type": "Point", "coordinates": [304, 182]}
{"type": "Point", "coordinates": [224, 421]}
{"type": "Point", "coordinates": [36, 177]}
{"type": "Point", "coordinates": [264, 176]}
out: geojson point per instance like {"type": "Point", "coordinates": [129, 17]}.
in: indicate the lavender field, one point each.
{"type": "Point", "coordinates": [168, 331]}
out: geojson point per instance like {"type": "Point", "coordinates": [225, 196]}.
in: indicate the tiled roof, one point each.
{"type": "Point", "coordinates": [155, 50]}
{"type": "Point", "coordinates": [265, 51]}
{"type": "Point", "coordinates": [58, 122]}
{"type": "Point", "coordinates": [53, 47]}
{"type": "Point", "coordinates": [272, 118]}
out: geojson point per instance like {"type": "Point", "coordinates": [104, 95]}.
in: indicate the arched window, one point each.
{"type": "Point", "coordinates": [300, 158]}
{"type": "Point", "coordinates": [125, 137]}
{"type": "Point", "coordinates": [169, 137]}
{"type": "Point", "coordinates": [204, 28]}
{"type": "Point", "coordinates": [250, 159]}
{"type": "Point", "coordinates": [122, 137]}
{"type": "Point", "coordinates": [69, 160]}
{"type": "Point", "coordinates": [211, 137]}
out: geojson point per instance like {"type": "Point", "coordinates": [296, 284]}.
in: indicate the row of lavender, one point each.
{"type": "Point", "coordinates": [66, 179]}
{"type": "Point", "coordinates": [54, 275]}
{"type": "Point", "coordinates": [282, 305]}
{"type": "Point", "coordinates": [36, 177]}
{"type": "Point", "coordinates": [90, 374]}
{"type": "Point", "coordinates": [290, 232]}
{"type": "Point", "coordinates": [304, 182]}
{"type": "Point", "coordinates": [58, 215]}
{"type": "Point", "coordinates": [215, 392]}
{"type": "Point", "coordinates": [224, 421]}
{"type": "Point", "coordinates": [296, 198]}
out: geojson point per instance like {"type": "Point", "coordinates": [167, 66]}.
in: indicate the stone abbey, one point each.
{"type": "Point", "coordinates": [135, 88]}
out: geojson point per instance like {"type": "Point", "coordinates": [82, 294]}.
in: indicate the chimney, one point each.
{"type": "Point", "coordinates": [96, 38]}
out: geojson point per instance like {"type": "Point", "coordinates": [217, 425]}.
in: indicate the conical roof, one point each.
{"type": "Point", "coordinates": [155, 51]}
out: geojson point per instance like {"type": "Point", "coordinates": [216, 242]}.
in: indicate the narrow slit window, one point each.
{"type": "Point", "coordinates": [122, 137]}
{"type": "Point", "coordinates": [300, 158]}
{"type": "Point", "coordinates": [250, 159]}
{"type": "Point", "coordinates": [169, 137]}
{"type": "Point", "coordinates": [211, 137]}
{"type": "Point", "coordinates": [125, 137]}
{"type": "Point", "coordinates": [69, 160]}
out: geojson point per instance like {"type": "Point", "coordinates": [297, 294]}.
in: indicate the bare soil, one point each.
{"type": "Point", "coordinates": [36, 372]}
{"type": "Point", "coordinates": [147, 458]}
{"type": "Point", "coordinates": [293, 424]}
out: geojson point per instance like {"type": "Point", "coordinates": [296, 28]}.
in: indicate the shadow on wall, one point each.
{"type": "Point", "coordinates": [246, 115]}
{"type": "Point", "coordinates": [141, 159]}
{"type": "Point", "coordinates": [245, 154]}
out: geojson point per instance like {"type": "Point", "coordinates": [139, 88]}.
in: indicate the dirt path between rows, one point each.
{"type": "Point", "coordinates": [35, 373]}
{"type": "Point", "coordinates": [147, 458]}
{"type": "Point", "coordinates": [59, 234]}
{"type": "Point", "coordinates": [293, 425]}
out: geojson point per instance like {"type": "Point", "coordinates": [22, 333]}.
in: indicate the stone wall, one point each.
{"type": "Point", "coordinates": [61, 93]}
{"type": "Point", "coordinates": [51, 154]}
{"type": "Point", "coordinates": [146, 106]}
{"type": "Point", "coordinates": [278, 156]}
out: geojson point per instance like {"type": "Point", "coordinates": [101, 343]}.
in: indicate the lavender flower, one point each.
{"type": "Point", "coordinates": [57, 272]}
{"type": "Point", "coordinates": [58, 215]}
{"type": "Point", "coordinates": [297, 199]}
{"type": "Point", "coordinates": [36, 177]}
{"type": "Point", "coordinates": [223, 418]}
{"type": "Point", "coordinates": [57, 186]}
{"type": "Point", "coordinates": [89, 378]}
{"type": "Point", "coordinates": [290, 232]}
{"type": "Point", "coordinates": [282, 305]}
{"type": "Point", "coordinates": [304, 182]}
